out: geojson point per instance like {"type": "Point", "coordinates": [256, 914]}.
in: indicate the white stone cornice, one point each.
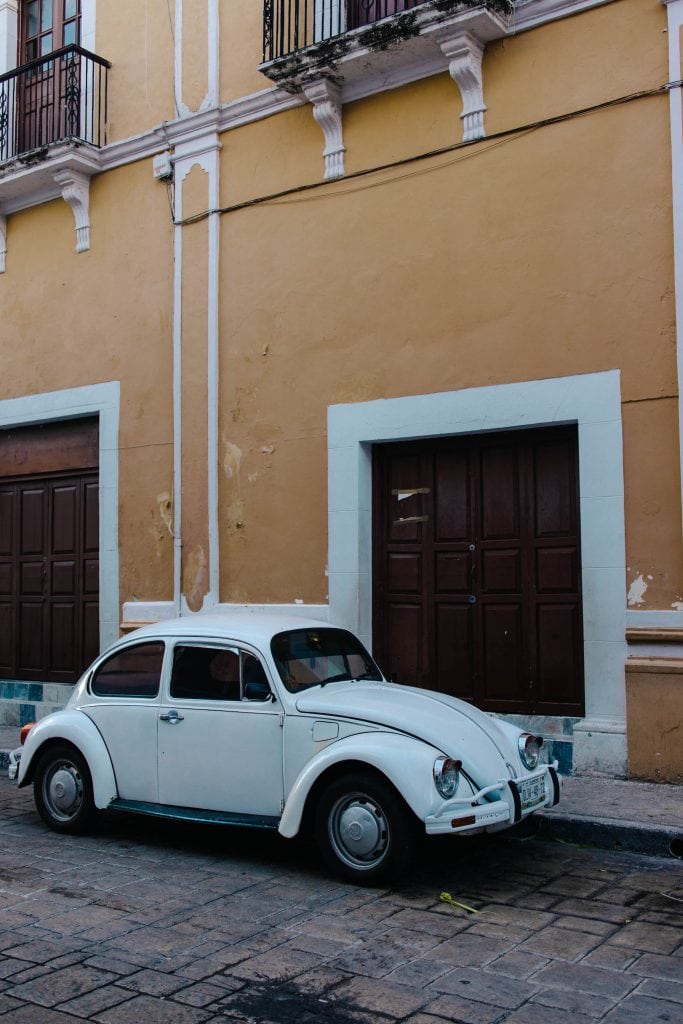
{"type": "Point", "coordinates": [75, 188]}
{"type": "Point", "coordinates": [528, 14]}
{"type": "Point", "coordinates": [464, 52]}
{"type": "Point", "coordinates": [327, 110]}
{"type": "Point", "coordinates": [3, 242]}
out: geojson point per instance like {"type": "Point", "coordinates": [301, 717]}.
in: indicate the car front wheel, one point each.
{"type": "Point", "coordinates": [364, 830]}
{"type": "Point", "coordinates": [62, 790]}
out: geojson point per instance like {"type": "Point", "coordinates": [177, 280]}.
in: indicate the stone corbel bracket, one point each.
{"type": "Point", "coordinates": [76, 192]}
{"type": "Point", "coordinates": [3, 242]}
{"type": "Point", "coordinates": [464, 52]}
{"type": "Point", "coordinates": [325, 96]}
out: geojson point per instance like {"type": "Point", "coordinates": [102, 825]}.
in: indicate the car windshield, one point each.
{"type": "Point", "coordinates": [314, 657]}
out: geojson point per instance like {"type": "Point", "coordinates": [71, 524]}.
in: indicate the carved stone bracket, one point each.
{"type": "Point", "coordinates": [464, 52]}
{"type": "Point", "coordinates": [76, 192]}
{"type": "Point", "coordinates": [327, 110]}
{"type": "Point", "coordinates": [3, 242]}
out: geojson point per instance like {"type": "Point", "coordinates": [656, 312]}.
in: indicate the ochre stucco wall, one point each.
{"type": "Point", "coordinates": [70, 320]}
{"type": "Point", "coordinates": [654, 690]}
{"type": "Point", "coordinates": [545, 255]}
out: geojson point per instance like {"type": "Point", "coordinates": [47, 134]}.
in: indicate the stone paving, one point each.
{"type": "Point", "coordinates": [144, 922]}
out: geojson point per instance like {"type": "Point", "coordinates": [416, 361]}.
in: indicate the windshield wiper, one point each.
{"type": "Point", "coordinates": [342, 677]}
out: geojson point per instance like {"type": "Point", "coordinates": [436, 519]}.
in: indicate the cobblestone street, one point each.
{"type": "Point", "coordinates": [153, 922]}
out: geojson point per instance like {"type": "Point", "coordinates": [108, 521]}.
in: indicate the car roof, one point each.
{"type": "Point", "coordinates": [254, 627]}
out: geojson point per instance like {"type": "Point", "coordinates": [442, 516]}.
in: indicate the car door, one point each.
{"type": "Point", "coordinates": [218, 749]}
{"type": "Point", "coordinates": [123, 702]}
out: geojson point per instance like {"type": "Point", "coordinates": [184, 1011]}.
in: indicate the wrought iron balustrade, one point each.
{"type": "Point", "coordinates": [57, 98]}
{"type": "Point", "coordinates": [291, 25]}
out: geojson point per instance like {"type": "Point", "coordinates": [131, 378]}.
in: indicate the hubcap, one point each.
{"type": "Point", "coordinates": [64, 791]}
{"type": "Point", "coordinates": [358, 831]}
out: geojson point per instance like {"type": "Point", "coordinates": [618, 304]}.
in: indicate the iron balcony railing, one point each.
{"type": "Point", "coordinates": [291, 25]}
{"type": "Point", "coordinates": [57, 98]}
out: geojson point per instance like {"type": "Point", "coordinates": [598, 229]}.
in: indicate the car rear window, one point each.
{"type": "Point", "coordinates": [133, 672]}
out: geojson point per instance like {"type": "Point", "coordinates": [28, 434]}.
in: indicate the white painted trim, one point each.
{"type": "Point", "coordinates": [654, 619]}
{"type": "Point", "coordinates": [102, 400]}
{"type": "Point", "coordinates": [530, 14]}
{"type": "Point", "coordinates": [593, 401]}
{"type": "Point", "coordinates": [325, 96]}
{"type": "Point", "coordinates": [76, 194]}
{"type": "Point", "coordinates": [157, 611]}
{"type": "Point", "coordinates": [464, 52]}
{"type": "Point", "coordinates": [201, 150]}
{"type": "Point", "coordinates": [177, 397]}
{"type": "Point", "coordinates": [181, 109]}
{"type": "Point", "coordinates": [213, 56]}
{"type": "Point", "coordinates": [675, 24]}
{"type": "Point", "coordinates": [213, 371]}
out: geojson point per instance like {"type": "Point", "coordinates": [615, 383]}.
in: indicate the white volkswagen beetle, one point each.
{"type": "Point", "coordinates": [279, 722]}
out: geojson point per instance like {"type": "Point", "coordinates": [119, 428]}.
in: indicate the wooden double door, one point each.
{"type": "Point", "coordinates": [477, 569]}
{"type": "Point", "coordinates": [49, 551]}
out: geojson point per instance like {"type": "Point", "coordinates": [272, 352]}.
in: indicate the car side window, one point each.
{"type": "Point", "coordinates": [214, 673]}
{"type": "Point", "coordinates": [133, 672]}
{"type": "Point", "coordinates": [205, 673]}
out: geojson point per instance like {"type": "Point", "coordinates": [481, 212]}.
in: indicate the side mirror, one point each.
{"type": "Point", "coordinates": [258, 689]}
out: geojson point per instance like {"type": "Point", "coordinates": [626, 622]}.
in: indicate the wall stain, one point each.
{"type": "Point", "coordinates": [195, 578]}
{"type": "Point", "coordinates": [232, 460]}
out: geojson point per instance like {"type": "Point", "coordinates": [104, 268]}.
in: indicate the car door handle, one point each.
{"type": "Point", "coordinates": [171, 716]}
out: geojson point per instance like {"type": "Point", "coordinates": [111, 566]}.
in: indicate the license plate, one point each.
{"type": "Point", "coordinates": [532, 792]}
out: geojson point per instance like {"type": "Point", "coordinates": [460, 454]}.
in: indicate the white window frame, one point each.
{"type": "Point", "coordinates": [593, 402]}
{"type": "Point", "coordinates": [100, 400]}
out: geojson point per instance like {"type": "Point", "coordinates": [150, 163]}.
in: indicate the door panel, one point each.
{"type": "Point", "coordinates": [224, 757]}
{"type": "Point", "coordinates": [49, 575]}
{"type": "Point", "coordinates": [493, 613]}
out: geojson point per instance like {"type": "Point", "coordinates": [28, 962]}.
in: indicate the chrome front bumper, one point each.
{"type": "Point", "coordinates": [13, 768]}
{"type": "Point", "coordinates": [517, 799]}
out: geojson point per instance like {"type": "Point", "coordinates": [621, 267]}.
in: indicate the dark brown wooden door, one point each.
{"type": "Point", "coordinates": [49, 576]}
{"type": "Point", "coordinates": [477, 588]}
{"type": "Point", "coordinates": [49, 103]}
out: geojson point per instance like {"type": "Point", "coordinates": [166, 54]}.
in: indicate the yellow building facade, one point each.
{"type": "Point", "coordinates": [370, 310]}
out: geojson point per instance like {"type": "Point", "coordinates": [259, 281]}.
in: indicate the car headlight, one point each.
{"type": "Point", "coordinates": [446, 776]}
{"type": "Point", "coordinates": [530, 750]}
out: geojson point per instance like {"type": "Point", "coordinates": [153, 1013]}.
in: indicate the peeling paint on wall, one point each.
{"type": "Point", "coordinates": [636, 592]}
{"type": "Point", "coordinates": [165, 504]}
{"type": "Point", "coordinates": [677, 606]}
{"type": "Point", "coordinates": [232, 459]}
{"type": "Point", "coordinates": [195, 578]}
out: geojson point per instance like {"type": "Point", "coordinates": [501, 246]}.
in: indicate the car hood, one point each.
{"type": "Point", "coordinates": [460, 730]}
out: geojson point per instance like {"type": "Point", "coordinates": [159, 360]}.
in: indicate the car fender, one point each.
{"type": "Point", "coordinates": [405, 761]}
{"type": "Point", "coordinates": [77, 729]}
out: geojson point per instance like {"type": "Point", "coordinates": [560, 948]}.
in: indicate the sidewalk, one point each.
{"type": "Point", "coordinates": [610, 814]}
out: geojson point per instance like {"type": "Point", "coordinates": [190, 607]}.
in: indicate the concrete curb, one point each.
{"type": "Point", "coordinates": [605, 834]}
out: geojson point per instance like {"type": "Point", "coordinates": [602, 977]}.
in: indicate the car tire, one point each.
{"type": "Point", "coordinates": [364, 830]}
{"type": "Point", "coordinates": [62, 790]}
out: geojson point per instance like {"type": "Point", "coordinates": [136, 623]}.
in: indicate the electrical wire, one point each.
{"type": "Point", "coordinates": [461, 151]}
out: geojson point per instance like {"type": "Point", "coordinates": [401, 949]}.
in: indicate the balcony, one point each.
{"type": "Point", "coordinates": [331, 52]}
{"type": "Point", "coordinates": [291, 25]}
{"type": "Point", "coordinates": [60, 98]}
{"type": "Point", "coordinates": [53, 119]}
